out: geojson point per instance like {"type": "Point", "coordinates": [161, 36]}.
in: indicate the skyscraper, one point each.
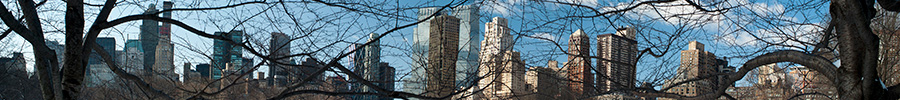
{"type": "Point", "coordinates": [149, 39]}
{"type": "Point", "coordinates": [695, 62]}
{"type": "Point", "coordinates": [164, 50]}
{"type": "Point", "coordinates": [367, 63]}
{"type": "Point", "coordinates": [469, 38]}
{"type": "Point", "coordinates": [109, 45]}
{"type": "Point", "coordinates": [496, 67]}
{"type": "Point", "coordinates": [416, 81]}
{"type": "Point", "coordinates": [279, 47]}
{"type": "Point", "coordinates": [442, 55]}
{"type": "Point", "coordinates": [98, 70]}
{"type": "Point", "coordinates": [578, 66]}
{"type": "Point", "coordinates": [618, 56]}
{"type": "Point", "coordinates": [508, 78]}
{"type": "Point", "coordinates": [225, 53]}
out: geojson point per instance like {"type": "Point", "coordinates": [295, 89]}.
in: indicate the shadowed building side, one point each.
{"type": "Point", "coordinates": [442, 55]}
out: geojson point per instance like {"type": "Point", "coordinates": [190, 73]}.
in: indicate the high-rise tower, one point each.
{"type": "Point", "coordinates": [578, 67]}
{"type": "Point", "coordinates": [164, 50]}
{"type": "Point", "coordinates": [467, 59]}
{"type": "Point", "coordinates": [469, 39]}
{"type": "Point", "coordinates": [149, 39]}
{"type": "Point", "coordinates": [442, 55]}
{"type": "Point", "coordinates": [695, 62]}
{"type": "Point", "coordinates": [618, 56]}
{"type": "Point", "coordinates": [279, 47]}
{"type": "Point", "coordinates": [500, 65]}
{"type": "Point", "coordinates": [367, 63]}
{"type": "Point", "coordinates": [225, 53]}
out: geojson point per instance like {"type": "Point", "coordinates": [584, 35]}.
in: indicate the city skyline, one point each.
{"type": "Point", "coordinates": [591, 49]}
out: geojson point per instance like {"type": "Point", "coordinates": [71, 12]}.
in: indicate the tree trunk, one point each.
{"type": "Point", "coordinates": [857, 47]}
{"type": "Point", "coordinates": [75, 62]}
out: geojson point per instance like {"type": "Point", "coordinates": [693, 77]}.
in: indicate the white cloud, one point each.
{"type": "Point", "coordinates": [591, 3]}
{"type": "Point", "coordinates": [503, 8]}
{"type": "Point", "coordinates": [544, 35]}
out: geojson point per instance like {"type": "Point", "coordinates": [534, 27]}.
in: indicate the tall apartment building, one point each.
{"type": "Point", "coordinates": [506, 80]}
{"type": "Point", "coordinates": [443, 49]}
{"type": "Point", "coordinates": [279, 46]}
{"type": "Point", "coordinates": [164, 49]}
{"type": "Point", "coordinates": [578, 67]}
{"type": "Point", "coordinates": [149, 39]}
{"type": "Point", "coordinates": [225, 54]}
{"type": "Point", "coordinates": [618, 56]}
{"type": "Point", "coordinates": [695, 62]}
{"type": "Point", "coordinates": [494, 60]}
{"type": "Point", "coordinates": [467, 59]}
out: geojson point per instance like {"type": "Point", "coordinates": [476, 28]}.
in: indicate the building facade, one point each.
{"type": "Point", "coordinates": [149, 39]}
{"type": "Point", "coordinates": [469, 40]}
{"type": "Point", "coordinates": [98, 72]}
{"type": "Point", "coordinates": [367, 63]}
{"type": "Point", "coordinates": [467, 59]}
{"type": "Point", "coordinates": [545, 82]}
{"type": "Point", "coordinates": [618, 57]}
{"type": "Point", "coordinates": [164, 48]}
{"type": "Point", "coordinates": [806, 81]}
{"type": "Point", "coordinates": [279, 47]}
{"type": "Point", "coordinates": [442, 55]}
{"type": "Point", "coordinates": [695, 63]}
{"type": "Point", "coordinates": [578, 68]}
{"type": "Point", "coordinates": [204, 70]}
{"type": "Point", "coordinates": [134, 57]}
{"type": "Point", "coordinates": [416, 81]}
{"type": "Point", "coordinates": [109, 46]}
{"type": "Point", "coordinates": [226, 54]}
{"type": "Point", "coordinates": [497, 65]}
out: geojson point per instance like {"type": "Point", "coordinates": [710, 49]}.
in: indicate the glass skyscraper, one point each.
{"type": "Point", "coordinates": [367, 63]}
{"type": "Point", "coordinates": [469, 40]}
{"type": "Point", "coordinates": [109, 45]}
{"type": "Point", "coordinates": [280, 46]}
{"type": "Point", "coordinates": [149, 39]}
{"type": "Point", "coordinates": [226, 54]}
